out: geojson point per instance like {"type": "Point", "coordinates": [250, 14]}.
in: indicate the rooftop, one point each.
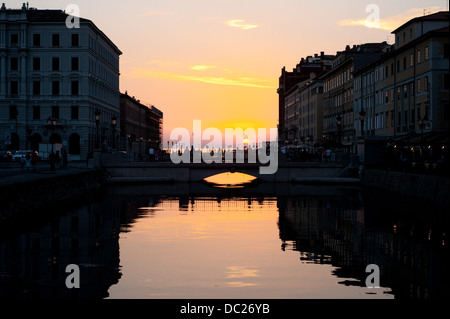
{"type": "Point", "coordinates": [438, 16]}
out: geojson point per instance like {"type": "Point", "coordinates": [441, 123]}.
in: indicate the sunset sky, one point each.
{"type": "Point", "coordinates": [219, 60]}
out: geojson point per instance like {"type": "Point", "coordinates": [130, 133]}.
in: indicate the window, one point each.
{"type": "Point", "coordinates": [55, 64]}
{"type": "Point", "coordinates": [425, 83]}
{"type": "Point", "coordinates": [418, 112]}
{"type": "Point", "coordinates": [410, 33]}
{"type": "Point", "coordinates": [404, 36]}
{"type": "Point", "coordinates": [411, 60]}
{"type": "Point", "coordinates": [75, 88]}
{"type": "Point", "coordinates": [74, 112]}
{"type": "Point", "coordinates": [55, 40]}
{"type": "Point", "coordinates": [14, 64]}
{"type": "Point", "coordinates": [411, 89]}
{"type": "Point", "coordinates": [398, 93]}
{"type": "Point", "coordinates": [36, 87]}
{"type": "Point", "coordinates": [13, 112]}
{"type": "Point", "coordinates": [419, 87]}
{"type": "Point", "coordinates": [36, 40]}
{"type": "Point", "coordinates": [36, 64]}
{"type": "Point", "coordinates": [14, 87]}
{"type": "Point", "coordinates": [75, 64]}
{"type": "Point", "coordinates": [55, 87]}
{"type": "Point", "coordinates": [405, 91]}
{"type": "Point", "coordinates": [392, 68]}
{"type": "Point", "coordinates": [398, 66]}
{"type": "Point", "coordinates": [36, 112]}
{"type": "Point", "coordinates": [391, 93]}
{"type": "Point", "coordinates": [426, 53]}
{"type": "Point", "coordinates": [14, 40]}
{"type": "Point", "coordinates": [418, 56]}
{"type": "Point", "coordinates": [445, 84]}
{"type": "Point", "coordinates": [75, 40]}
{"type": "Point", "coordinates": [404, 63]}
{"type": "Point", "coordinates": [55, 112]}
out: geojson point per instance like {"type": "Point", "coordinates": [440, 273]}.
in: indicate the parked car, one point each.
{"type": "Point", "coordinates": [17, 156]}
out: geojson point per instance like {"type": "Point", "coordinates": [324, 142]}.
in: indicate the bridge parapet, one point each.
{"type": "Point", "coordinates": [192, 172]}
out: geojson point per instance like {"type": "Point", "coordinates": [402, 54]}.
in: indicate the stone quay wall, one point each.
{"type": "Point", "coordinates": [427, 187]}
{"type": "Point", "coordinates": [26, 195]}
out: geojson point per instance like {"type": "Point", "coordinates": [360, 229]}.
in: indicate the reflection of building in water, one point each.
{"type": "Point", "coordinates": [201, 204]}
{"type": "Point", "coordinates": [33, 265]}
{"type": "Point", "coordinates": [318, 228]}
{"type": "Point", "coordinates": [330, 230]}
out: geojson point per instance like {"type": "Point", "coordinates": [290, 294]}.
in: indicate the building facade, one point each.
{"type": "Point", "coordinates": [58, 85]}
{"type": "Point", "coordinates": [303, 112]}
{"type": "Point", "coordinates": [339, 113]}
{"type": "Point", "coordinates": [141, 126]}
{"type": "Point", "coordinates": [404, 92]}
{"type": "Point", "coordinates": [419, 66]}
{"type": "Point", "coordinates": [295, 90]}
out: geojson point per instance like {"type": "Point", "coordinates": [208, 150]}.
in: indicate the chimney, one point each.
{"type": "Point", "coordinates": [315, 55]}
{"type": "Point", "coordinates": [322, 53]}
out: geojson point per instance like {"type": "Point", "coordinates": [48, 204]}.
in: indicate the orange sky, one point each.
{"type": "Point", "coordinates": [219, 60]}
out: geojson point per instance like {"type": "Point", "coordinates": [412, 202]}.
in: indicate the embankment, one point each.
{"type": "Point", "coordinates": [26, 193]}
{"type": "Point", "coordinates": [427, 187]}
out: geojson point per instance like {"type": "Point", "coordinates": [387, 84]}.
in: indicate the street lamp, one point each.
{"type": "Point", "coordinates": [362, 116]}
{"type": "Point", "coordinates": [422, 123]}
{"type": "Point", "coordinates": [339, 125]}
{"type": "Point", "coordinates": [97, 122]}
{"type": "Point", "coordinates": [52, 123]}
{"type": "Point", "coordinates": [114, 123]}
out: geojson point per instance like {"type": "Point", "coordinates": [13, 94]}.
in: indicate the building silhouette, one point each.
{"type": "Point", "coordinates": [49, 71]}
{"type": "Point", "coordinates": [141, 125]}
{"type": "Point", "coordinates": [376, 92]}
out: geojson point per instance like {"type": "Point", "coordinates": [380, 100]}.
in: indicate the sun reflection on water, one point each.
{"type": "Point", "coordinates": [230, 180]}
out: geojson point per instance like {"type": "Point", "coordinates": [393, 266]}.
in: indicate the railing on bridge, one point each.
{"type": "Point", "coordinates": [334, 157]}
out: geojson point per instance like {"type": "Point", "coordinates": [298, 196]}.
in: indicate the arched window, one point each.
{"type": "Point", "coordinates": [15, 142]}
{"type": "Point", "coordinates": [35, 140]}
{"type": "Point", "coordinates": [74, 144]}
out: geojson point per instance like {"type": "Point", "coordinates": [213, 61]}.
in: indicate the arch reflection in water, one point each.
{"type": "Point", "coordinates": [230, 180]}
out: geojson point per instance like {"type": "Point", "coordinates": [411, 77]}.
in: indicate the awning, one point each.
{"type": "Point", "coordinates": [428, 138]}
{"type": "Point", "coordinates": [328, 144]}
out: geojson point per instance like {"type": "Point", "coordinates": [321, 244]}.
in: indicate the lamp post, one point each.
{"type": "Point", "coordinates": [113, 124]}
{"type": "Point", "coordinates": [97, 122]}
{"type": "Point", "coordinates": [52, 123]}
{"type": "Point", "coordinates": [362, 116]}
{"type": "Point", "coordinates": [422, 123]}
{"type": "Point", "coordinates": [339, 125]}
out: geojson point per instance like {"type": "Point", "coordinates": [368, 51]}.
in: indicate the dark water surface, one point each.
{"type": "Point", "coordinates": [195, 241]}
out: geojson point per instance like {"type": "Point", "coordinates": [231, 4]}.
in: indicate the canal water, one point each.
{"type": "Point", "coordinates": [269, 241]}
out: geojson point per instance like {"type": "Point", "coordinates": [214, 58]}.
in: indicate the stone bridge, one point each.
{"type": "Point", "coordinates": [288, 172]}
